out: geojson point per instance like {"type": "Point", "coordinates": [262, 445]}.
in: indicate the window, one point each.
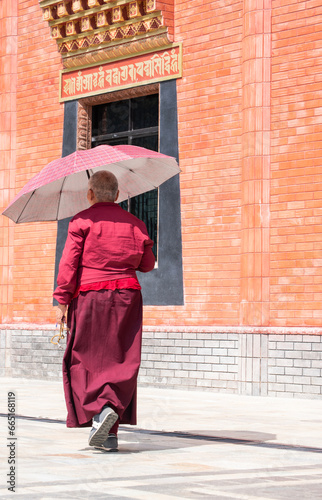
{"type": "Point", "coordinates": [164, 285]}
{"type": "Point", "coordinates": [132, 121]}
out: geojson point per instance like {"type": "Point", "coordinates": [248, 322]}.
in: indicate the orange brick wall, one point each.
{"type": "Point", "coordinates": [210, 126]}
{"type": "Point", "coordinates": [8, 88]}
{"type": "Point", "coordinates": [167, 9]}
{"type": "Point", "coordinates": [249, 140]}
{"type": "Point", "coordinates": [296, 172]}
{"type": "Point", "coordinates": [249, 111]}
{"type": "Point", "coordinates": [38, 131]}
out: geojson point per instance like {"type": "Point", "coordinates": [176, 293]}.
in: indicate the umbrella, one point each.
{"type": "Point", "coordinates": [59, 189]}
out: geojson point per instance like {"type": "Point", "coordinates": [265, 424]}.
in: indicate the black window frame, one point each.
{"type": "Point", "coordinates": [164, 285]}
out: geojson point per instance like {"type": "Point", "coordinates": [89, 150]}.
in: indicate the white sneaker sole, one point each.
{"type": "Point", "coordinates": [101, 434]}
{"type": "Point", "coordinates": [103, 448]}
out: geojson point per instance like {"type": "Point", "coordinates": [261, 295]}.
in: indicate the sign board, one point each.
{"type": "Point", "coordinates": [165, 64]}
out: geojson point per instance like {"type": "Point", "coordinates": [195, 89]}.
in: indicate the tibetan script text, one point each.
{"type": "Point", "coordinates": [143, 69]}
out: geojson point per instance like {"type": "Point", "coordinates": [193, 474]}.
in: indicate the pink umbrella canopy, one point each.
{"type": "Point", "coordinates": [59, 189]}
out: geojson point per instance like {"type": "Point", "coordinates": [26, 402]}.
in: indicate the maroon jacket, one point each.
{"type": "Point", "coordinates": [103, 243]}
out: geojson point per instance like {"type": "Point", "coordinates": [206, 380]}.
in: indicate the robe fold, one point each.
{"type": "Point", "coordinates": [103, 354]}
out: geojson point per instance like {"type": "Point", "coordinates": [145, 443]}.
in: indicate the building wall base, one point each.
{"type": "Point", "coordinates": [259, 364]}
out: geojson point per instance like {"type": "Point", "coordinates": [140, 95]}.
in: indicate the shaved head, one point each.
{"type": "Point", "coordinates": [104, 186]}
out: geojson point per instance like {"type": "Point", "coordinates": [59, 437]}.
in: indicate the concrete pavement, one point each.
{"type": "Point", "coordinates": [187, 445]}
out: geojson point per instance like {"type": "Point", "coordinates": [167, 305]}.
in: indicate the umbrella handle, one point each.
{"type": "Point", "coordinates": [61, 335]}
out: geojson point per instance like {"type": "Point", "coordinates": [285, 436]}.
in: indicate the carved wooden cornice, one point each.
{"type": "Point", "coordinates": [121, 49]}
{"type": "Point", "coordinates": [120, 95]}
{"type": "Point", "coordinates": [89, 31]}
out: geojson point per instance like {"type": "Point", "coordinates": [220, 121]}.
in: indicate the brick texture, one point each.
{"type": "Point", "coordinates": [8, 90]}
{"type": "Point", "coordinates": [239, 363]}
{"type": "Point", "coordinates": [296, 195]}
{"type": "Point", "coordinates": [210, 126]}
{"type": "Point", "coordinates": [167, 9]}
{"type": "Point", "coordinates": [33, 138]}
{"type": "Point", "coordinates": [250, 140]}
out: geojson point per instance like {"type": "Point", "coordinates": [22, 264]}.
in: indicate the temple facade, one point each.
{"type": "Point", "coordinates": [233, 90]}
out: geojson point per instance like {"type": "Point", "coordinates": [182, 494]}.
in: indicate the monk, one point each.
{"type": "Point", "coordinates": [97, 284]}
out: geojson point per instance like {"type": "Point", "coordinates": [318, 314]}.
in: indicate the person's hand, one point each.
{"type": "Point", "coordinates": [61, 313]}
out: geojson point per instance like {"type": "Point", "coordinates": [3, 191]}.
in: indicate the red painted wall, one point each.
{"type": "Point", "coordinates": [296, 174]}
{"type": "Point", "coordinates": [250, 130]}
{"type": "Point", "coordinates": [33, 138]}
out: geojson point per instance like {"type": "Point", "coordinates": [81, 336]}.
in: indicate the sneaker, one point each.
{"type": "Point", "coordinates": [110, 444]}
{"type": "Point", "coordinates": [102, 423]}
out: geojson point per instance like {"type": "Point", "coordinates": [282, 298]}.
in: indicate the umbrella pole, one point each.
{"type": "Point", "coordinates": [128, 203]}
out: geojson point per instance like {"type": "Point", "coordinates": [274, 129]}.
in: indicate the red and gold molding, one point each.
{"type": "Point", "coordinates": [91, 31]}
{"type": "Point", "coordinates": [135, 71]}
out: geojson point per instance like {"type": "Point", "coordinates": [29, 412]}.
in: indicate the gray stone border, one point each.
{"type": "Point", "coordinates": [259, 364]}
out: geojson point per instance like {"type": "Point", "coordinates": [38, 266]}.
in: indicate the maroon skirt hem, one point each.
{"type": "Point", "coordinates": [103, 354]}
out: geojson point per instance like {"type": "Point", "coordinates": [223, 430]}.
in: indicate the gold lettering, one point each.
{"type": "Point", "coordinates": [166, 62]}
{"type": "Point", "coordinates": [124, 73]}
{"type": "Point", "coordinates": [139, 68]}
{"type": "Point", "coordinates": [116, 76]}
{"type": "Point", "coordinates": [148, 68]}
{"type": "Point", "coordinates": [108, 77]}
{"type": "Point", "coordinates": [158, 66]}
{"type": "Point", "coordinates": [174, 61]}
{"type": "Point", "coordinates": [70, 86]}
{"type": "Point", "coordinates": [88, 82]}
{"type": "Point", "coordinates": [79, 82]}
{"type": "Point", "coordinates": [101, 77]}
{"type": "Point", "coordinates": [132, 72]}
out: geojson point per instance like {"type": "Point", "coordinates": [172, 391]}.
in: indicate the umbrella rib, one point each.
{"type": "Point", "coordinates": [60, 192]}
{"type": "Point", "coordinates": [24, 208]}
{"type": "Point", "coordinates": [138, 175]}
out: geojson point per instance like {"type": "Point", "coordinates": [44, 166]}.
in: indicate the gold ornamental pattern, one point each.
{"type": "Point", "coordinates": [83, 27]}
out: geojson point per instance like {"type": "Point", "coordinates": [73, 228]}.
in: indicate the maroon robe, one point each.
{"type": "Point", "coordinates": [103, 352]}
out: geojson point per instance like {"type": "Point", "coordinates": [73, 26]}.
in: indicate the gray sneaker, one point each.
{"type": "Point", "coordinates": [102, 423]}
{"type": "Point", "coordinates": [110, 444]}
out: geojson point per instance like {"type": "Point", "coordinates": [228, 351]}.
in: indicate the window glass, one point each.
{"type": "Point", "coordinates": [132, 121]}
{"type": "Point", "coordinates": [148, 141]}
{"type": "Point", "coordinates": [144, 112]}
{"type": "Point", "coordinates": [110, 118]}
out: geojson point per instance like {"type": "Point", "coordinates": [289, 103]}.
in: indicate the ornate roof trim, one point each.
{"type": "Point", "coordinates": [89, 31]}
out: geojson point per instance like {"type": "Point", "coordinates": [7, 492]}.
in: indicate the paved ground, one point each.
{"type": "Point", "coordinates": [188, 445]}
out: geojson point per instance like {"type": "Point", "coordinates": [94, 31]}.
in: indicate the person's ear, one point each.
{"type": "Point", "coordinates": [90, 195]}
{"type": "Point", "coordinates": [117, 195]}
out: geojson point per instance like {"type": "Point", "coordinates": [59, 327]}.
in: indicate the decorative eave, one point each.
{"type": "Point", "coordinates": [90, 31]}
